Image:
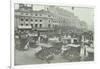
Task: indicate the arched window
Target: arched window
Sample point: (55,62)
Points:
(36,20)
(35,14)
(31,19)
(22,19)
(26,19)
(21,24)
(40,20)
(36,25)
(49,25)
(26,24)
(32,25)
(40,25)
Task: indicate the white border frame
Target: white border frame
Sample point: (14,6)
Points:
(12,2)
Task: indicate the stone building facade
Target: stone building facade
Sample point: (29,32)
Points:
(45,19)
(26,18)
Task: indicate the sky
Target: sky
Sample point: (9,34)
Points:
(84,13)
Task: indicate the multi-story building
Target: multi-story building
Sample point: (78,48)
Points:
(43,20)
(26,18)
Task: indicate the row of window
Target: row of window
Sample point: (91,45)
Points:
(42,20)
(38,20)
(41,15)
(35,14)
(31,20)
(36,25)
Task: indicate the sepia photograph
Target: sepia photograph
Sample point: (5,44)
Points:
(45,34)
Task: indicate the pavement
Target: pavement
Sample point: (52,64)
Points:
(28,57)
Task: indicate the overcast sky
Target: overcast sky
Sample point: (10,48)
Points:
(85,14)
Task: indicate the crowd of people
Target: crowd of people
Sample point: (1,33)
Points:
(30,40)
